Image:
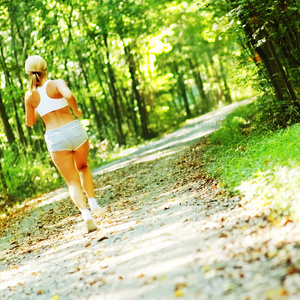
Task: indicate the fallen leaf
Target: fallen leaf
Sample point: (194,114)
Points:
(271,254)
(55,297)
(103,238)
(223,235)
(88,244)
(206,268)
(180,285)
(285,221)
(178,293)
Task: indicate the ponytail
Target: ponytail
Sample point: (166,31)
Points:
(35,80)
(36,68)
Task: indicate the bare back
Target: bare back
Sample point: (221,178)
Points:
(60,117)
(55,89)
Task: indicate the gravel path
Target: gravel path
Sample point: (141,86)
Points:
(169,232)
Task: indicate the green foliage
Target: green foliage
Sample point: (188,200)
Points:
(261,164)
(277,189)
(145,51)
(230,133)
(268,32)
(275,114)
(28,176)
(156,62)
(134,67)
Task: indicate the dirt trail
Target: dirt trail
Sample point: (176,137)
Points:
(168,233)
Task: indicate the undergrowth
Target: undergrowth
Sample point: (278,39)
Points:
(27,177)
(261,165)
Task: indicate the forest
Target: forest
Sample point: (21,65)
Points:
(139,69)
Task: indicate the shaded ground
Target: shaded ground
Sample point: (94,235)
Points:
(168,233)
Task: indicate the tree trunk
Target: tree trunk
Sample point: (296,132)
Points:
(2,177)
(114,94)
(273,66)
(140,101)
(126,107)
(108,108)
(217,78)
(13,42)
(134,116)
(91,98)
(8,83)
(227,93)
(199,84)
(191,92)
(259,39)
(182,90)
(7,128)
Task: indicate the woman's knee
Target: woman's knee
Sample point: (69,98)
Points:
(74,182)
(74,186)
(82,167)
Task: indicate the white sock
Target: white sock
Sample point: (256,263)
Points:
(88,219)
(93,203)
(96,209)
(86,214)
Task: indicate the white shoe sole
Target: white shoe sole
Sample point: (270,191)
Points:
(91,226)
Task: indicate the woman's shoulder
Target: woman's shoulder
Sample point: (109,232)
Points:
(59,81)
(31,97)
(30,94)
(56,82)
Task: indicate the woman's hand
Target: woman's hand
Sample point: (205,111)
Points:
(68,95)
(78,113)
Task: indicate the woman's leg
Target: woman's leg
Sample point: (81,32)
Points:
(81,162)
(81,157)
(64,161)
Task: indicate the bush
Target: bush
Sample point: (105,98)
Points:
(261,165)
(26,176)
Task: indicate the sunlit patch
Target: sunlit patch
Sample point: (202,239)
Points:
(168,230)
(277,188)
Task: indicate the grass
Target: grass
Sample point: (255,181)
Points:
(261,165)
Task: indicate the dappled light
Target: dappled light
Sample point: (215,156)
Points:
(169,231)
(189,120)
(278,189)
(192,131)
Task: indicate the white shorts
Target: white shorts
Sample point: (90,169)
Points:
(68,137)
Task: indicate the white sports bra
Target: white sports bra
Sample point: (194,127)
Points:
(48,104)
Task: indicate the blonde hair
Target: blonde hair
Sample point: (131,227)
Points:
(36,68)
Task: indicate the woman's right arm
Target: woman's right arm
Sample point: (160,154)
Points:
(68,95)
(31,114)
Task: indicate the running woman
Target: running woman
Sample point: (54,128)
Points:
(66,139)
